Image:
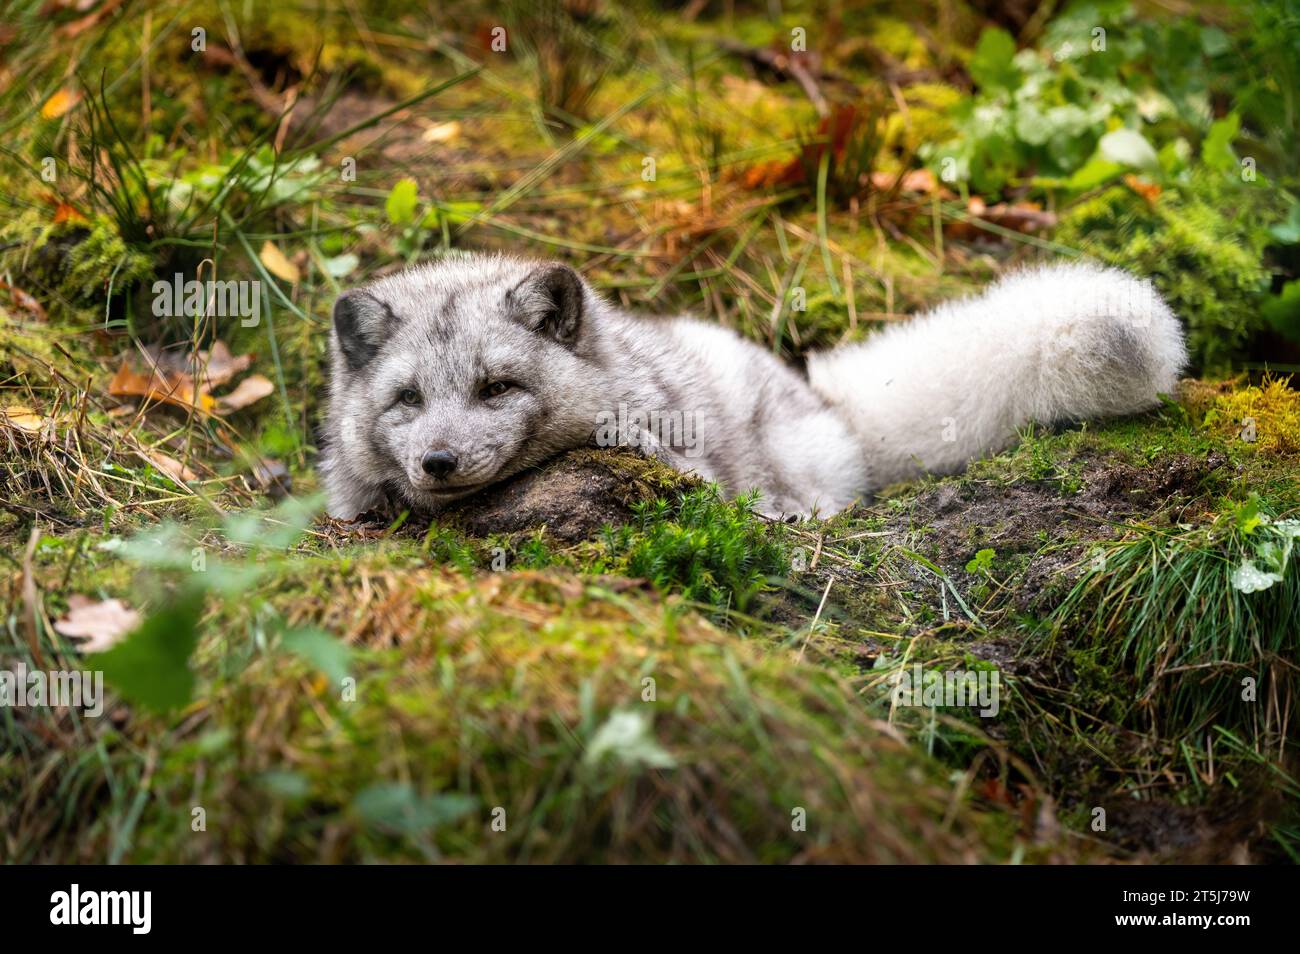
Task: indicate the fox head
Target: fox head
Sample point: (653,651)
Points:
(451,376)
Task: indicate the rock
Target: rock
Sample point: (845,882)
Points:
(571,497)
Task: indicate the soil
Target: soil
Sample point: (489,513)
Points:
(1035,518)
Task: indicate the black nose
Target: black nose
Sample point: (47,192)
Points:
(438,463)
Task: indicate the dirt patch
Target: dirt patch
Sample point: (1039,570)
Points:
(1227,830)
(1036,519)
(966,516)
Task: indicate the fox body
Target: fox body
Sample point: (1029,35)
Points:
(457,374)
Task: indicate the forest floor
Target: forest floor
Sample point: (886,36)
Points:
(601,660)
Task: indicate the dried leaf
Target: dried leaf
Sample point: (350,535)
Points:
(278,265)
(914,180)
(79,26)
(273,478)
(156,385)
(59,103)
(443,132)
(250,390)
(64,212)
(171,467)
(23,418)
(219,365)
(23,300)
(214,367)
(1024,217)
(1143,187)
(102,624)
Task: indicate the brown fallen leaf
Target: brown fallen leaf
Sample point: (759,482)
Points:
(838,127)
(23,300)
(1143,187)
(171,467)
(173,388)
(913,180)
(219,365)
(23,418)
(1025,217)
(59,103)
(250,390)
(66,212)
(273,478)
(278,265)
(215,367)
(77,27)
(102,624)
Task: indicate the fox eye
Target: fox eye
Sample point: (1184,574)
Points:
(410,397)
(495,389)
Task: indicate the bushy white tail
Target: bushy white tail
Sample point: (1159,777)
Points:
(1062,342)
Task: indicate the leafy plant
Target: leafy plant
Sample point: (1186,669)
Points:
(151,665)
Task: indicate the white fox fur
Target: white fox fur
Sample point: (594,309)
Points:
(1052,344)
(465,371)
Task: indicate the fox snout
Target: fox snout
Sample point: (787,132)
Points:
(438,463)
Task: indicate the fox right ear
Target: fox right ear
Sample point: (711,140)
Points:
(360,322)
(550,302)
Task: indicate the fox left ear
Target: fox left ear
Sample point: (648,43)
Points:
(361,323)
(550,302)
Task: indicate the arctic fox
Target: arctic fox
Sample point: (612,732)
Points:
(456,374)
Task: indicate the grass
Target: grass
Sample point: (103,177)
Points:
(1205,620)
(597,724)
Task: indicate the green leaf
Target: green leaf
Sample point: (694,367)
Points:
(991,66)
(1282,311)
(981,562)
(399,808)
(1247,515)
(277,529)
(340,266)
(321,650)
(1288,231)
(1216,151)
(1214,42)
(1175,156)
(1096,171)
(1128,148)
(628,737)
(286,784)
(151,666)
(400,204)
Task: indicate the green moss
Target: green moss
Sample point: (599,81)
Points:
(708,549)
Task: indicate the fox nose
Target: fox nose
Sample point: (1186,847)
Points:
(438,463)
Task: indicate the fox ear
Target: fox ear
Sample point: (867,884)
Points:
(550,302)
(360,322)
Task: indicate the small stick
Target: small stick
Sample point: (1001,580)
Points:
(816,617)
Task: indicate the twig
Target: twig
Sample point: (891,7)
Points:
(812,626)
